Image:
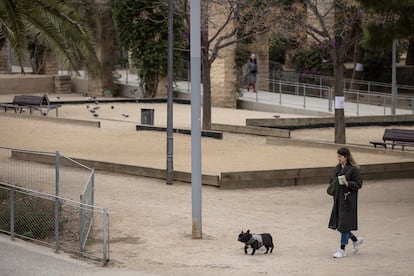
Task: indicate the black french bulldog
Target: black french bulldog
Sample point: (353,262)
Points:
(256,241)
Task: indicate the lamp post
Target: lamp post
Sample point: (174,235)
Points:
(170,169)
(195,63)
(394,78)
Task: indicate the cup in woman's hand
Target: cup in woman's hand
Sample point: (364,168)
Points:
(341,179)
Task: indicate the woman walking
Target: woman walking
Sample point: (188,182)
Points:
(344,215)
(251,73)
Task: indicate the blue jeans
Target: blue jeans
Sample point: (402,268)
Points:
(345,236)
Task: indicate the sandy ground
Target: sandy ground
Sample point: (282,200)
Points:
(150,222)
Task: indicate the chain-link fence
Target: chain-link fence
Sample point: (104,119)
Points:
(49,198)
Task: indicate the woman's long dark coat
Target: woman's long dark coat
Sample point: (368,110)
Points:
(344,215)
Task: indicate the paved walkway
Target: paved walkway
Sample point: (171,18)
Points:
(19,258)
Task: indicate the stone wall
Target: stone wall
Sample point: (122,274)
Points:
(223,69)
(34,84)
(261,49)
(62,84)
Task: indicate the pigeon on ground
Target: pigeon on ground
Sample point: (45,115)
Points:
(125,115)
(95,115)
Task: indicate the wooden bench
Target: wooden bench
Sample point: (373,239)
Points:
(396,137)
(31,102)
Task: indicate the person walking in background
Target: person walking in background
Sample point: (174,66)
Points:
(344,215)
(251,73)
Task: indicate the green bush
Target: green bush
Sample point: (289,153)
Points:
(313,59)
(377,65)
(277,51)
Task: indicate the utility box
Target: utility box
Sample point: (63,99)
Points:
(147,116)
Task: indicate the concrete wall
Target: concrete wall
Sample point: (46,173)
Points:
(305,176)
(297,123)
(34,84)
(79,85)
(26,84)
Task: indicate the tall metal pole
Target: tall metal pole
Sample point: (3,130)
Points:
(170,169)
(195,63)
(394,77)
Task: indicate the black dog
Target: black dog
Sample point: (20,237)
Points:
(256,241)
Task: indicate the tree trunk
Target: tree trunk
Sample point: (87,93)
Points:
(151,84)
(339,112)
(101,79)
(49,65)
(206,92)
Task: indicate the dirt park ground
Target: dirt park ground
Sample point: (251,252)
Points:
(150,222)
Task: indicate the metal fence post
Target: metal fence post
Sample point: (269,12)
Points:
(105,236)
(12,192)
(93,187)
(304,95)
(57,165)
(320,87)
(81,223)
(297,84)
(280,92)
(357,102)
(369,92)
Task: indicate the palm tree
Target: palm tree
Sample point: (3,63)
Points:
(53,25)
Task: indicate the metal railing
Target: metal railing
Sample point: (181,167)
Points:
(380,101)
(367,86)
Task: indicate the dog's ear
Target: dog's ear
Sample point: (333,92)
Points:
(248,232)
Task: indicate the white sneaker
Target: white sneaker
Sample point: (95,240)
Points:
(357,244)
(339,254)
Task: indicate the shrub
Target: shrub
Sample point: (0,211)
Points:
(313,59)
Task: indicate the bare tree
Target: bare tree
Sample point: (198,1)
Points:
(336,24)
